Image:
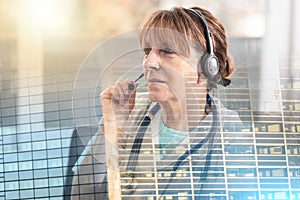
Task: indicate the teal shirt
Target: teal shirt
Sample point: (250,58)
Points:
(169,139)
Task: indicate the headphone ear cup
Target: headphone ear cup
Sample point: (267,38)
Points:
(209,65)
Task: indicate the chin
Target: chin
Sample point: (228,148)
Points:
(157,97)
(159,94)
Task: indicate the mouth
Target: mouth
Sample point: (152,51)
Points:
(155,80)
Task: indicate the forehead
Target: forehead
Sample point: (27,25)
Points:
(165,38)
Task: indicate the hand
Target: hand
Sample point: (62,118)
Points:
(118,101)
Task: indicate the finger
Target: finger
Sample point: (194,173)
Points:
(132,97)
(107,93)
(128,86)
(131,85)
(120,92)
(106,101)
(131,88)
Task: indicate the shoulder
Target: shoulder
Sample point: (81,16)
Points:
(230,119)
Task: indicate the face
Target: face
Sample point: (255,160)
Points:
(167,73)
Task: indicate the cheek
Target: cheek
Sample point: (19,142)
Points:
(190,72)
(186,66)
(145,71)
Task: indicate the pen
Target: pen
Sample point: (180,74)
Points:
(131,85)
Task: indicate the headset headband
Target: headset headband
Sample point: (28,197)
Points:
(207,34)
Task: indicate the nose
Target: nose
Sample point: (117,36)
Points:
(152,60)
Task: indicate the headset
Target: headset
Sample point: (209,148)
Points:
(208,64)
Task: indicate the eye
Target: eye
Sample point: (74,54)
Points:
(167,51)
(147,51)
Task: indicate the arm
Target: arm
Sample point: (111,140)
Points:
(117,102)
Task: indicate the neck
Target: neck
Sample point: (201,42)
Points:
(172,115)
(180,116)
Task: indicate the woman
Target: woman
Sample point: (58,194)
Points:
(165,144)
